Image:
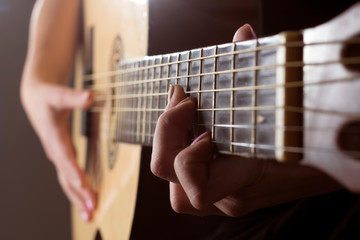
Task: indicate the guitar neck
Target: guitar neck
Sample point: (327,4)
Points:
(238,88)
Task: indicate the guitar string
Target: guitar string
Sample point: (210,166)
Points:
(292,109)
(290,149)
(126,133)
(344,61)
(103,97)
(329,129)
(91,77)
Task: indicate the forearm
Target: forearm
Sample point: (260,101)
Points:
(46,98)
(53,38)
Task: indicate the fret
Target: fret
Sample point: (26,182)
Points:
(231,147)
(188,73)
(177,68)
(131,91)
(222,99)
(151,101)
(184,69)
(144,113)
(172,73)
(194,69)
(243,98)
(168,57)
(158,61)
(214,97)
(164,83)
(208,66)
(199,95)
(254,103)
(134,115)
(173,69)
(138,121)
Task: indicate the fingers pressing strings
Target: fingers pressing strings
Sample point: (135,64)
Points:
(171,133)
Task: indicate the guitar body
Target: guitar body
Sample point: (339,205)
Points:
(126,27)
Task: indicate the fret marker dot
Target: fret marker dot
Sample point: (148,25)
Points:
(260,119)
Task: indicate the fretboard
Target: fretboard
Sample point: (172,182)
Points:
(234,86)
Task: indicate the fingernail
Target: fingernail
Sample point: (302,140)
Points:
(89,205)
(199,138)
(170,93)
(251,30)
(85,216)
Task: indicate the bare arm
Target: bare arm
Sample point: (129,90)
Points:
(47,99)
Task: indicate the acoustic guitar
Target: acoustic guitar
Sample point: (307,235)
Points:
(289,97)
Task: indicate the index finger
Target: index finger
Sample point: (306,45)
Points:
(171,133)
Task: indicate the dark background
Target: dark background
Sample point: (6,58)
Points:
(32,205)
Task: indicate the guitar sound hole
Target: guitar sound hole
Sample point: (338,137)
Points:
(98,236)
(349,139)
(352,50)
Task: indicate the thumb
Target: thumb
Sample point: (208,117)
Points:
(62,98)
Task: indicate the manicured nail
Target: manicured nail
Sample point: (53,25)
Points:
(170,93)
(85,216)
(89,205)
(199,138)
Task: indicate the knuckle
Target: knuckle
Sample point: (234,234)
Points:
(200,201)
(179,206)
(174,119)
(163,120)
(182,161)
(157,168)
(235,208)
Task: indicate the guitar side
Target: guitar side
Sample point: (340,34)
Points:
(124,37)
